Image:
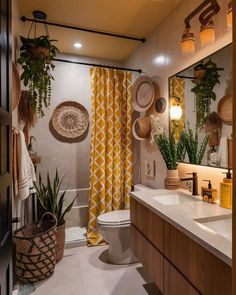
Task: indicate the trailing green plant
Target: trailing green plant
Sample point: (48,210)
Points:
(36,56)
(195,150)
(204,89)
(172,152)
(50,199)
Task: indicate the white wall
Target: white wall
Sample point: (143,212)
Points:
(165,41)
(72,82)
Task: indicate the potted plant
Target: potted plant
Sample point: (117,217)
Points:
(36,56)
(172,152)
(194,149)
(206,76)
(51,200)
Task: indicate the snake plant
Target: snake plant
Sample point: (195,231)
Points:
(190,139)
(49,197)
(172,152)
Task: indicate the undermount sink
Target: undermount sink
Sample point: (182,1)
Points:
(221,225)
(174,198)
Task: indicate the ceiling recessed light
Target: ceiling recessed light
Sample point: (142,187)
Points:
(77,45)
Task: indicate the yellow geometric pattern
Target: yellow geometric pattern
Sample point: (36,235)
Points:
(177,88)
(111,145)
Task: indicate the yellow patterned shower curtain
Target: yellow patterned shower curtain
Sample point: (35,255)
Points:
(111,145)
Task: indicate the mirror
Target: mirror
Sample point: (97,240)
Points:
(201,110)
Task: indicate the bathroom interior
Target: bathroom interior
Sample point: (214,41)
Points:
(117,147)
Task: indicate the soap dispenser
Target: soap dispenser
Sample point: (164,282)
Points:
(226,191)
(209,194)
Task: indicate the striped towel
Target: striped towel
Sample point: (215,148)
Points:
(26,172)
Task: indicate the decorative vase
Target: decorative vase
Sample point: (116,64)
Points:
(172,180)
(60,239)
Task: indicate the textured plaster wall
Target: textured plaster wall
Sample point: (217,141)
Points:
(165,42)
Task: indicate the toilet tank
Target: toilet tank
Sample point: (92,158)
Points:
(141,187)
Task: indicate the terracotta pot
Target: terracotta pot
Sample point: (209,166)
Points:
(198,75)
(172,180)
(60,239)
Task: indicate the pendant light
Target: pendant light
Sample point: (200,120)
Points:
(230,15)
(207,34)
(188,42)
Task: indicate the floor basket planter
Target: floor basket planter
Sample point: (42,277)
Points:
(35,246)
(172,180)
(60,238)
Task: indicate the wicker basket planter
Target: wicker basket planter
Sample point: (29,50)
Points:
(60,239)
(35,250)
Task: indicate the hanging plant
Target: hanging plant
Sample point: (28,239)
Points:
(36,56)
(206,77)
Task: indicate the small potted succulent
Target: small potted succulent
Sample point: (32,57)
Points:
(36,60)
(51,200)
(172,152)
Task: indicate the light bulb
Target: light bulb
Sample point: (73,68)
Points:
(175,112)
(77,45)
(188,42)
(207,34)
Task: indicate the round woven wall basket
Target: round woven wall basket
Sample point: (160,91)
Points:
(69,122)
(143,94)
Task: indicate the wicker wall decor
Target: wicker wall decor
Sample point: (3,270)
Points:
(16,87)
(69,122)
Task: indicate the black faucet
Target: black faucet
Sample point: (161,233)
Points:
(194,179)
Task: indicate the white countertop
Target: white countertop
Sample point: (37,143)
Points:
(183,216)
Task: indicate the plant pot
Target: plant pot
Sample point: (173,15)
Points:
(40,51)
(172,180)
(60,239)
(198,75)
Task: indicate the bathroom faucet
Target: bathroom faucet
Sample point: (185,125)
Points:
(194,179)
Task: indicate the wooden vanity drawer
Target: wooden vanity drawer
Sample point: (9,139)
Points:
(175,283)
(205,271)
(148,255)
(149,223)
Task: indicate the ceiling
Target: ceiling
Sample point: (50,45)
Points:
(137,18)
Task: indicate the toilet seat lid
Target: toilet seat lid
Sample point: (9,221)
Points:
(115,217)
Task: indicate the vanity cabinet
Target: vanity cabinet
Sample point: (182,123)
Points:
(177,264)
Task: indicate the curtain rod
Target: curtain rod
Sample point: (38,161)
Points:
(24,19)
(97,65)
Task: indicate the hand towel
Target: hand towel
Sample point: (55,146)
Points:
(223,152)
(26,172)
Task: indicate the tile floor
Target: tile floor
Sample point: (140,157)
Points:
(85,271)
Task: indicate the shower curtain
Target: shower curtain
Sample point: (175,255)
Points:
(111,145)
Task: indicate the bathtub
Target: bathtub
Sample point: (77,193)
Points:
(78,216)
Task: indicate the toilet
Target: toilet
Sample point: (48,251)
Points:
(115,228)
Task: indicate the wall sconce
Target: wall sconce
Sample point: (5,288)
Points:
(208,9)
(176,112)
(230,15)
(188,42)
(207,34)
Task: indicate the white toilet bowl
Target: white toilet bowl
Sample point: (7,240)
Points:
(115,228)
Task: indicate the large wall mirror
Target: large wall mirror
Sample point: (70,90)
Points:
(201,110)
